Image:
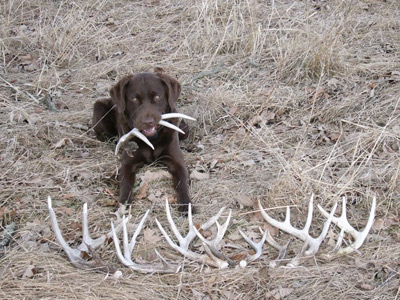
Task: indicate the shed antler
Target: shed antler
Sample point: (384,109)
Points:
(88,244)
(136,133)
(163,267)
(344,225)
(256,246)
(211,258)
(311,245)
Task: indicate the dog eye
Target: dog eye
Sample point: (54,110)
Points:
(135,100)
(156,98)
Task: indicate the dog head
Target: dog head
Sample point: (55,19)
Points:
(143,98)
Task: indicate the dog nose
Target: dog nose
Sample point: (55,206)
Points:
(148,121)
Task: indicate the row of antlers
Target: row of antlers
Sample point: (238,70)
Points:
(213,256)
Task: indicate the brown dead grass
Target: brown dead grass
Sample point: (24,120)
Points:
(291,97)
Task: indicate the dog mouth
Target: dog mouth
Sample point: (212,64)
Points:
(150,132)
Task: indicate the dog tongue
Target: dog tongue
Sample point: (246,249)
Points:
(149,132)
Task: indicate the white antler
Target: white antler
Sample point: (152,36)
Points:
(282,249)
(184,242)
(256,246)
(311,243)
(136,133)
(87,245)
(133,133)
(344,225)
(212,246)
(176,115)
(163,267)
(172,126)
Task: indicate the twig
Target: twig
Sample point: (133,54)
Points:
(26,94)
(8,232)
(203,74)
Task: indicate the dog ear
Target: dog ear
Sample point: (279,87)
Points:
(173,89)
(117,93)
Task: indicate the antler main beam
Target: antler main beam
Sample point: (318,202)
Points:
(136,133)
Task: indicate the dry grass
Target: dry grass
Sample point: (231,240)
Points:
(291,97)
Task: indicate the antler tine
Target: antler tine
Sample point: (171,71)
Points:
(87,241)
(313,243)
(172,126)
(185,241)
(220,231)
(344,225)
(256,246)
(282,249)
(126,258)
(73,254)
(213,244)
(176,115)
(137,231)
(133,133)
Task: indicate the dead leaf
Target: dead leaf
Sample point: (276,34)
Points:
(76,226)
(212,280)
(206,233)
(235,236)
(243,200)
(321,94)
(102,86)
(373,85)
(248,163)
(333,82)
(172,199)
(155,197)
(333,136)
(381,223)
(366,286)
(66,210)
(233,110)
(279,293)
(150,176)
(274,231)
(61,143)
(331,238)
(197,295)
(143,191)
(268,116)
(69,196)
(363,264)
(30,271)
(378,224)
(239,256)
(109,203)
(391,221)
(256,216)
(198,175)
(109,192)
(264,273)
(151,236)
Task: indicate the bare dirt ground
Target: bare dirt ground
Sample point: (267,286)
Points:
(291,98)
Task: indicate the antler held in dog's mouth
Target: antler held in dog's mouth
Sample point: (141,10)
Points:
(136,133)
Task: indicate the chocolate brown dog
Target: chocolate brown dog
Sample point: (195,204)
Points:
(138,101)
